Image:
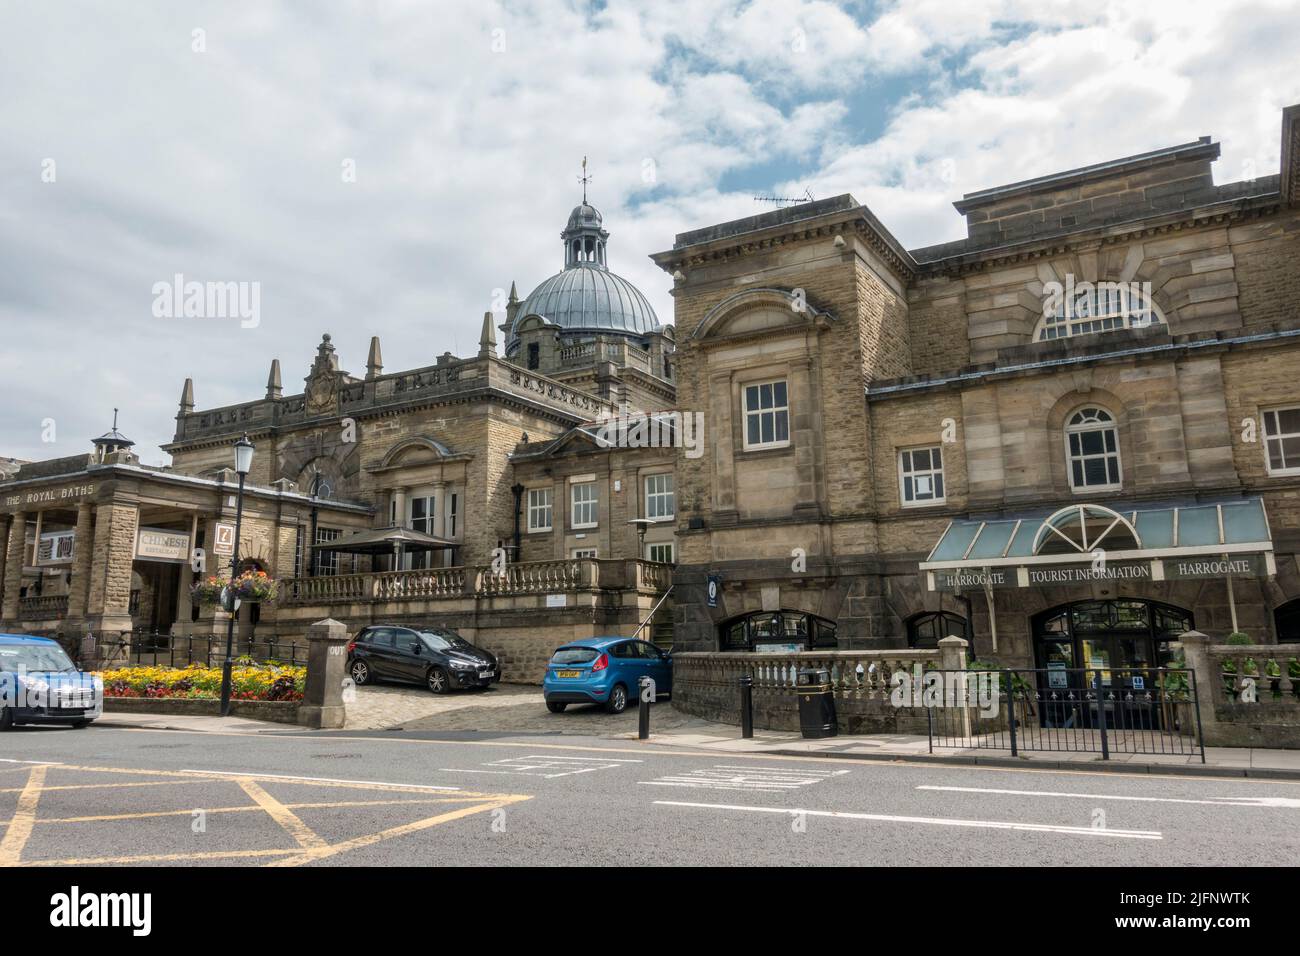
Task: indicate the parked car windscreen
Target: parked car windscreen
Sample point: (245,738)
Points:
(574,655)
(34,657)
(439,642)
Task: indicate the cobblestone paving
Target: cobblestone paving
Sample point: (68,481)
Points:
(503,707)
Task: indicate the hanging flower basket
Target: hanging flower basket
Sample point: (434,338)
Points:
(255,586)
(207,591)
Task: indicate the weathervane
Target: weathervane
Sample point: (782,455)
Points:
(584,179)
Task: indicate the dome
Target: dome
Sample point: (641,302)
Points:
(584,215)
(586,298)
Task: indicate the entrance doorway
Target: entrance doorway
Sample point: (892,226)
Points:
(1108,646)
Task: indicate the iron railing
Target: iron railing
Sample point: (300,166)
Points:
(157,650)
(1105,711)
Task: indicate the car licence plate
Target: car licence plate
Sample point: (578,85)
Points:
(568,673)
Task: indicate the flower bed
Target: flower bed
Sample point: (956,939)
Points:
(248,682)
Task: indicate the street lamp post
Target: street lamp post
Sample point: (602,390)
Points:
(243,464)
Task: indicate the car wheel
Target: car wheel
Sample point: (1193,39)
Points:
(437,680)
(617,700)
(556,706)
(360,671)
(6,718)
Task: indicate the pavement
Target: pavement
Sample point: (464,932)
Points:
(507,709)
(222,795)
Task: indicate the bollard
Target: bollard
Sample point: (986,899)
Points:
(643,714)
(327,656)
(747,706)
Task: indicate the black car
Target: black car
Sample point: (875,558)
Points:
(436,657)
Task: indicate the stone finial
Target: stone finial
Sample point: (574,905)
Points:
(273,389)
(512,309)
(487,341)
(187,396)
(375,360)
(326,360)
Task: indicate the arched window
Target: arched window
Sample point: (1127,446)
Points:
(1092,450)
(926,630)
(1286,617)
(1097,307)
(754,632)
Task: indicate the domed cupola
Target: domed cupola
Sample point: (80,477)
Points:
(584,238)
(585,297)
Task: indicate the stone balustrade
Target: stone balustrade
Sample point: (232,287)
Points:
(707,684)
(1247,695)
(43,607)
(1255,674)
(529,577)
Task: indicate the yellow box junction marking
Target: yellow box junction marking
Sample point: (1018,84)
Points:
(309,845)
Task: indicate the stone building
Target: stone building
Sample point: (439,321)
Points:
(1067,437)
(459,456)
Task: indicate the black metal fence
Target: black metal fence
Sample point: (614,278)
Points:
(165,650)
(1104,711)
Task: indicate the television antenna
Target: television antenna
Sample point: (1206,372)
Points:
(787,200)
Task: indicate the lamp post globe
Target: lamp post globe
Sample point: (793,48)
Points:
(243,465)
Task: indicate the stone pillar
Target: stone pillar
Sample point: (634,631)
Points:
(83,549)
(952,657)
(322,706)
(36,540)
(14,557)
(1208,684)
(952,653)
(440,515)
(212,620)
(108,603)
(5,521)
(185,581)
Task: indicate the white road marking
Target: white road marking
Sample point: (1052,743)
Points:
(43,763)
(934,821)
(1276,802)
(285,776)
(754,779)
(534,765)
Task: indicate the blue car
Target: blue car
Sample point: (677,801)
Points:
(604,670)
(39,684)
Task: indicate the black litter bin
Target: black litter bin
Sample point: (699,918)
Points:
(816,703)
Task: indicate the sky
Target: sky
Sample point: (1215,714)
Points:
(389,168)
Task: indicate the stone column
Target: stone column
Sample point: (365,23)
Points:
(36,540)
(108,603)
(14,558)
(212,620)
(181,626)
(83,549)
(952,653)
(322,706)
(5,521)
(399,497)
(1209,686)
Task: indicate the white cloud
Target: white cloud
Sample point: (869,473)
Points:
(467,122)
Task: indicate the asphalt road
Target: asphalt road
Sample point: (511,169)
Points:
(116,795)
